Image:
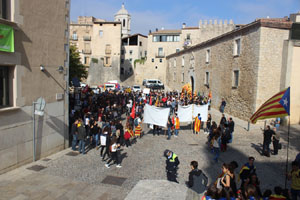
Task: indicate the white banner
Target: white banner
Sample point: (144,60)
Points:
(203,110)
(187,113)
(156,115)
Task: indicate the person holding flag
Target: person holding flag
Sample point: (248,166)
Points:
(197,124)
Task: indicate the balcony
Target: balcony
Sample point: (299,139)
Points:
(87,38)
(160,55)
(87,51)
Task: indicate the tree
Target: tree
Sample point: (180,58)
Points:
(77,69)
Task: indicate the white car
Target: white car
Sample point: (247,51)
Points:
(136,88)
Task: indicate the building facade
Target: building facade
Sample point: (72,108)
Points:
(134,50)
(245,66)
(34,63)
(99,45)
(162,43)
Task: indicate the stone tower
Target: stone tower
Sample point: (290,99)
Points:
(124,17)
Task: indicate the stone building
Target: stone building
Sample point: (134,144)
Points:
(33,63)
(162,43)
(99,45)
(245,66)
(134,50)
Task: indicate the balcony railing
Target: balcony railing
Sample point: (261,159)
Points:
(160,55)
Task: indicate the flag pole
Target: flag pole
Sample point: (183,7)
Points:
(287,154)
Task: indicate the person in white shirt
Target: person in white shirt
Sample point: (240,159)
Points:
(114,153)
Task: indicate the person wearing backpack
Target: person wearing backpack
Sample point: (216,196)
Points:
(197,179)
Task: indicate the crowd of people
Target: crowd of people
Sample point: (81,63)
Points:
(112,120)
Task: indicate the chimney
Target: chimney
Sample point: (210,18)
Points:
(149,31)
(183,25)
(156,29)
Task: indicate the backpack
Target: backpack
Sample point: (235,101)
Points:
(136,122)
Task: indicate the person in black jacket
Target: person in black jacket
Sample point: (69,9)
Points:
(268,133)
(81,136)
(74,133)
(231,129)
(197,179)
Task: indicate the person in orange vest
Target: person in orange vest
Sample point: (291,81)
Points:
(175,121)
(197,124)
(138,130)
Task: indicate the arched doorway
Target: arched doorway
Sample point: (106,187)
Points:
(192,84)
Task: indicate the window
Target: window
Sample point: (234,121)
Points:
(101,33)
(152,59)
(166,38)
(155,67)
(160,60)
(4,86)
(182,61)
(122,70)
(145,53)
(182,77)
(237,47)
(188,36)
(107,61)
(140,43)
(160,51)
(3,9)
(207,56)
(123,22)
(175,62)
(130,52)
(130,59)
(74,36)
(206,81)
(122,61)
(86,60)
(176,38)
(174,76)
(141,54)
(177,50)
(236,74)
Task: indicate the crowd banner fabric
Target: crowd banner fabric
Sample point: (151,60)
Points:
(6,38)
(156,115)
(203,110)
(185,113)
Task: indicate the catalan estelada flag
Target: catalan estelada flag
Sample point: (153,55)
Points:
(276,106)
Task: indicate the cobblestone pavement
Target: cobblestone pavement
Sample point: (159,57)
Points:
(81,176)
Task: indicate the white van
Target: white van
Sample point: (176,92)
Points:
(109,86)
(154,84)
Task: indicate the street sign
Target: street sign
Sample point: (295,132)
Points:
(40,106)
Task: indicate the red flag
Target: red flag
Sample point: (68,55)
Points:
(150,101)
(132,115)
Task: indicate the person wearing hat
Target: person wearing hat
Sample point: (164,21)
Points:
(172,163)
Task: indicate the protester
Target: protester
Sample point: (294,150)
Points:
(114,154)
(268,134)
(197,124)
(169,124)
(74,132)
(176,124)
(246,170)
(294,176)
(231,129)
(81,136)
(222,106)
(275,139)
(196,179)
(228,180)
(216,141)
